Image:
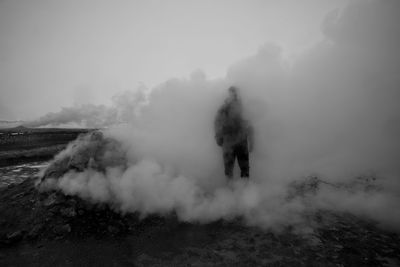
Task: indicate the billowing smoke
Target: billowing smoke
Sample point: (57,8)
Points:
(124,106)
(333,113)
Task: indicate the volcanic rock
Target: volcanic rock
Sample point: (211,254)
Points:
(62,229)
(34,233)
(91,150)
(68,212)
(14,237)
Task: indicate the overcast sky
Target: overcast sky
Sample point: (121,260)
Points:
(61,53)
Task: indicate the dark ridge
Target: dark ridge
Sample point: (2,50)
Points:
(22,144)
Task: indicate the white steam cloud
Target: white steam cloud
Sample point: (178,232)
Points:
(124,107)
(334,112)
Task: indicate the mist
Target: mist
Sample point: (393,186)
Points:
(124,107)
(332,112)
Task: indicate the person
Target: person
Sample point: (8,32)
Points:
(234,134)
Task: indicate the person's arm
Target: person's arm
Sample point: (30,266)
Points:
(217,127)
(250,137)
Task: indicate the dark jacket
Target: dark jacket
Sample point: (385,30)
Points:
(230,126)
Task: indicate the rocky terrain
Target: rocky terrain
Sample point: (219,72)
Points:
(45,227)
(52,229)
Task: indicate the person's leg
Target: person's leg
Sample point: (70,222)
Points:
(242,153)
(229,161)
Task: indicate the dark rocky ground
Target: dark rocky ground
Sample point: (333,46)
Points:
(51,229)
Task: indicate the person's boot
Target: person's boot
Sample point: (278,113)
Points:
(244,175)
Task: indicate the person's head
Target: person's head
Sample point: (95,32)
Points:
(234,100)
(233,93)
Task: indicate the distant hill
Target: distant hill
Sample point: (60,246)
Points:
(23,129)
(20,128)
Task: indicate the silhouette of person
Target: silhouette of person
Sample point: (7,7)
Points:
(234,134)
